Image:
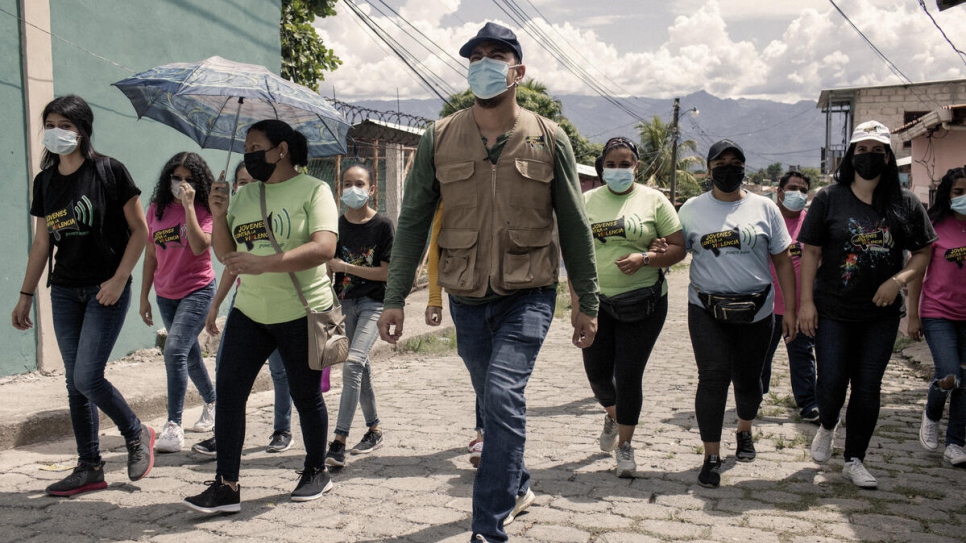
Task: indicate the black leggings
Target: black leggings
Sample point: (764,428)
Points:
(615,362)
(726,353)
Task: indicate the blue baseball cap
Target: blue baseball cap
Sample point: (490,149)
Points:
(493,32)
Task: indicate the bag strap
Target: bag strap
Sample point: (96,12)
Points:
(271,238)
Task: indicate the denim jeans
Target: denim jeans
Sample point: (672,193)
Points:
(247,345)
(856,354)
(184,319)
(361,316)
(86,332)
(283,399)
(615,362)
(947,343)
(801,367)
(499,342)
(726,354)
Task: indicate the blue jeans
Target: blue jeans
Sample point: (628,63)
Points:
(184,319)
(283,399)
(801,367)
(499,342)
(852,354)
(947,343)
(86,332)
(361,316)
(247,345)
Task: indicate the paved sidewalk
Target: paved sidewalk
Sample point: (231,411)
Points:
(417,487)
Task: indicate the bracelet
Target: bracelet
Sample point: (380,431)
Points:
(31,294)
(898,282)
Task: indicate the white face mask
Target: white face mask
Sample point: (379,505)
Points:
(60,141)
(795,200)
(176,189)
(958,204)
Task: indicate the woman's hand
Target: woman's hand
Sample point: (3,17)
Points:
(808,319)
(111,290)
(145,312)
(20,318)
(887,292)
(187,194)
(914,328)
(211,324)
(217,197)
(630,263)
(658,246)
(434,315)
(337,265)
(245,263)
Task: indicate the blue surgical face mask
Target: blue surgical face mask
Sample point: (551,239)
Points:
(355,197)
(795,200)
(487,77)
(618,179)
(959,204)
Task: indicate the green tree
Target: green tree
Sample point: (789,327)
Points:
(655,150)
(533,95)
(774,172)
(305,57)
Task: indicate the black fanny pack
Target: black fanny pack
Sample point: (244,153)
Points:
(734,308)
(634,305)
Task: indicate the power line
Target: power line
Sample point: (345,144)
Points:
(460,69)
(962,55)
(895,69)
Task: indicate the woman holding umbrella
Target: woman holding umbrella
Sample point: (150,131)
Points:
(268,314)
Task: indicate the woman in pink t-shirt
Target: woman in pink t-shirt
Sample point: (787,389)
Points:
(177,262)
(937,310)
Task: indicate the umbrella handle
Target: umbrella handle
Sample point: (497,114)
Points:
(234,132)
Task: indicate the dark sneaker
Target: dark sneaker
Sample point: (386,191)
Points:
(746,447)
(206,447)
(710,476)
(370,442)
(811,415)
(140,454)
(313,483)
(336,455)
(281,442)
(218,498)
(85,478)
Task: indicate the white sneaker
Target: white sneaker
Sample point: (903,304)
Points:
(171,439)
(207,421)
(822,444)
(523,502)
(955,455)
(608,437)
(626,466)
(860,477)
(929,433)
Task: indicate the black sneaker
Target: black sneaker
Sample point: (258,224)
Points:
(710,476)
(336,455)
(746,447)
(281,442)
(140,454)
(313,483)
(206,447)
(811,415)
(370,442)
(217,498)
(85,478)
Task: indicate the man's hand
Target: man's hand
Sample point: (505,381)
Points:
(585,328)
(391,325)
(434,315)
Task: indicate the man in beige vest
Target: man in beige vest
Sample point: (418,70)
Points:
(505,174)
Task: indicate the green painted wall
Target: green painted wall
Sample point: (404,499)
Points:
(134,36)
(19,348)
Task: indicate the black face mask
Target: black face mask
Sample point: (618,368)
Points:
(728,178)
(869,165)
(258,167)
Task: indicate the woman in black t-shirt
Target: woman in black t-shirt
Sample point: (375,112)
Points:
(89,206)
(852,272)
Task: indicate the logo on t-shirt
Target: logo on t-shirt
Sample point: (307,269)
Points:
(795,250)
(607,229)
(869,246)
(175,234)
(870,240)
(249,233)
(67,221)
(365,258)
(956,256)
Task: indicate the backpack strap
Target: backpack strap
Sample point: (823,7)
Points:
(106,175)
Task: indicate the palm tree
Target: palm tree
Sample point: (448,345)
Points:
(655,149)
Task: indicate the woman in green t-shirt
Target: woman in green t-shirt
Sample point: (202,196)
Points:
(626,218)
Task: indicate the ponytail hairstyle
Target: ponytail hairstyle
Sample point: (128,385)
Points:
(614,143)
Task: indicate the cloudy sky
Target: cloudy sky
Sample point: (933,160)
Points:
(785,50)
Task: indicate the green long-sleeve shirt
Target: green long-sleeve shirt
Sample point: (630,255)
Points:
(422,195)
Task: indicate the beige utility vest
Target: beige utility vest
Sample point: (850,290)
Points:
(497,221)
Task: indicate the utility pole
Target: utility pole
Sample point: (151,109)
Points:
(674,151)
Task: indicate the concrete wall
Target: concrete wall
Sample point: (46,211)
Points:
(131,37)
(932,158)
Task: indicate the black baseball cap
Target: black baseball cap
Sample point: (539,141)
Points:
(493,32)
(722,146)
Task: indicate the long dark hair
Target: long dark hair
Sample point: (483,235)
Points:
(76,110)
(942,201)
(278,131)
(200,173)
(887,196)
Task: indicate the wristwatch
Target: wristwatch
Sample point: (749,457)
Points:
(647,259)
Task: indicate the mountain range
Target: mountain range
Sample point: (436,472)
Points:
(769,132)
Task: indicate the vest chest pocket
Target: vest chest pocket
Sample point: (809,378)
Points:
(530,259)
(457,259)
(455,186)
(533,190)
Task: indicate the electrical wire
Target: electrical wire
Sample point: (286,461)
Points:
(962,55)
(459,68)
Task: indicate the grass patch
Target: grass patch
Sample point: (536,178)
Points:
(781,400)
(901,343)
(431,344)
(913,492)
(564,306)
